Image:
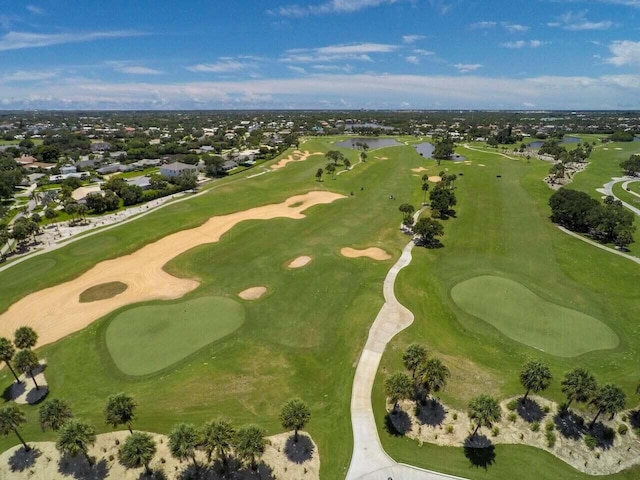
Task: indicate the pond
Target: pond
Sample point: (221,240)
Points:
(564,141)
(372,142)
(373,126)
(426,150)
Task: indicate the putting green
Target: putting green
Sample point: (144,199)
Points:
(144,340)
(523,316)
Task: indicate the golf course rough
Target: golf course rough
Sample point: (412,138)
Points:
(149,338)
(523,316)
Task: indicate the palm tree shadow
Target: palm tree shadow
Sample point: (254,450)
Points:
(479,450)
(300,451)
(155,475)
(432,413)
(13,391)
(77,467)
(634,418)
(400,420)
(569,425)
(36,396)
(234,470)
(530,411)
(22,459)
(605,435)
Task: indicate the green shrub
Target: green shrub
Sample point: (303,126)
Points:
(551,438)
(590,441)
(455,416)
(512,405)
(449,429)
(495,431)
(549,426)
(513,417)
(623,429)
(535,426)
(546,409)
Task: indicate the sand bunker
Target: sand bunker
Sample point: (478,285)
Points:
(56,312)
(300,262)
(419,169)
(81,192)
(435,179)
(253,293)
(382,158)
(296,156)
(481,165)
(372,252)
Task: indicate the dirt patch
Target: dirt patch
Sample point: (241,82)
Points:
(56,312)
(300,262)
(435,179)
(419,169)
(102,292)
(296,156)
(374,253)
(253,293)
(282,459)
(436,423)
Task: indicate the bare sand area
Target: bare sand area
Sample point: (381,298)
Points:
(282,459)
(25,392)
(481,165)
(296,156)
(56,312)
(300,262)
(374,253)
(253,293)
(382,158)
(419,169)
(435,179)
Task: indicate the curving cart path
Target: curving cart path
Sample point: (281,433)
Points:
(369,460)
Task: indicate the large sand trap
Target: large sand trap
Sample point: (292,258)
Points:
(435,179)
(299,262)
(81,192)
(44,462)
(253,293)
(296,156)
(56,311)
(419,169)
(372,252)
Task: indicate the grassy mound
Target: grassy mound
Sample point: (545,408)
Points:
(144,340)
(525,317)
(102,292)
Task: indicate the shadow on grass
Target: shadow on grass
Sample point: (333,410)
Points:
(78,467)
(300,451)
(22,459)
(530,411)
(570,425)
(14,391)
(432,413)
(479,450)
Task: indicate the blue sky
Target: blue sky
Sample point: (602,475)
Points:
(423,54)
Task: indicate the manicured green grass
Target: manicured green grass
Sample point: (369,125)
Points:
(150,338)
(102,292)
(635,187)
(525,317)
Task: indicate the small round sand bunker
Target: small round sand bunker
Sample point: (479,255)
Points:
(435,179)
(374,253)
(253,293)
(300,262)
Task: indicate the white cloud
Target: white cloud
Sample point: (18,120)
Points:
(333,68)
(420,51)
(296,69)
(224,65)
(625,52)
(483,25)
(523,44)
(578,22)
(331,6)
(514,27)
(35,10)
(138,70)
(412,59)
(17,40)
(412,38)
(28,76)
(331,53)
(466,67)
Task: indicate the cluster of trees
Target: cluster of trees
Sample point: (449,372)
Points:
(607,222)
(25,360)
(10,176)
(561,154)
(443,149)
(428,376)
(631,166)
(442,197)
(503,137)
(621,136)
(336,159)
(23,229)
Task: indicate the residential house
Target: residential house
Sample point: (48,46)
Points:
(173,170)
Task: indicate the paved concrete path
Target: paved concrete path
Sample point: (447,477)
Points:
(369,460)
(607,189)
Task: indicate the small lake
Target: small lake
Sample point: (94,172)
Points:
(564,141)
(372,142)
(426,150)
(373,126)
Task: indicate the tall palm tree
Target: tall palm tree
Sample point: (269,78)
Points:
(7,351)
(294,416)
(137,451)
(579,385)
(398,387)
(11,417)
(535,376)
(54,413)
(120,410)
(425,189)
(76,436)
(219,436)
(434,375)
(250,444)
(414,356)
(484,411)
(610,399)
(26,361)
(25,337)
(183,441)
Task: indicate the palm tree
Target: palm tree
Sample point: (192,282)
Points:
(330,169)
(217,435)
(425,189)
(434,375)
(610,399)
(54,413)
(414,356)
(183,441)
(484,411)
(294,416)
(26,362)
(363,157)
(25,337)
(535,376)
(579,385)
(138,451)
(7,351)
(250,444)
(11,417)
(76,436)
(347,163)
(120,410)
(399,387)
